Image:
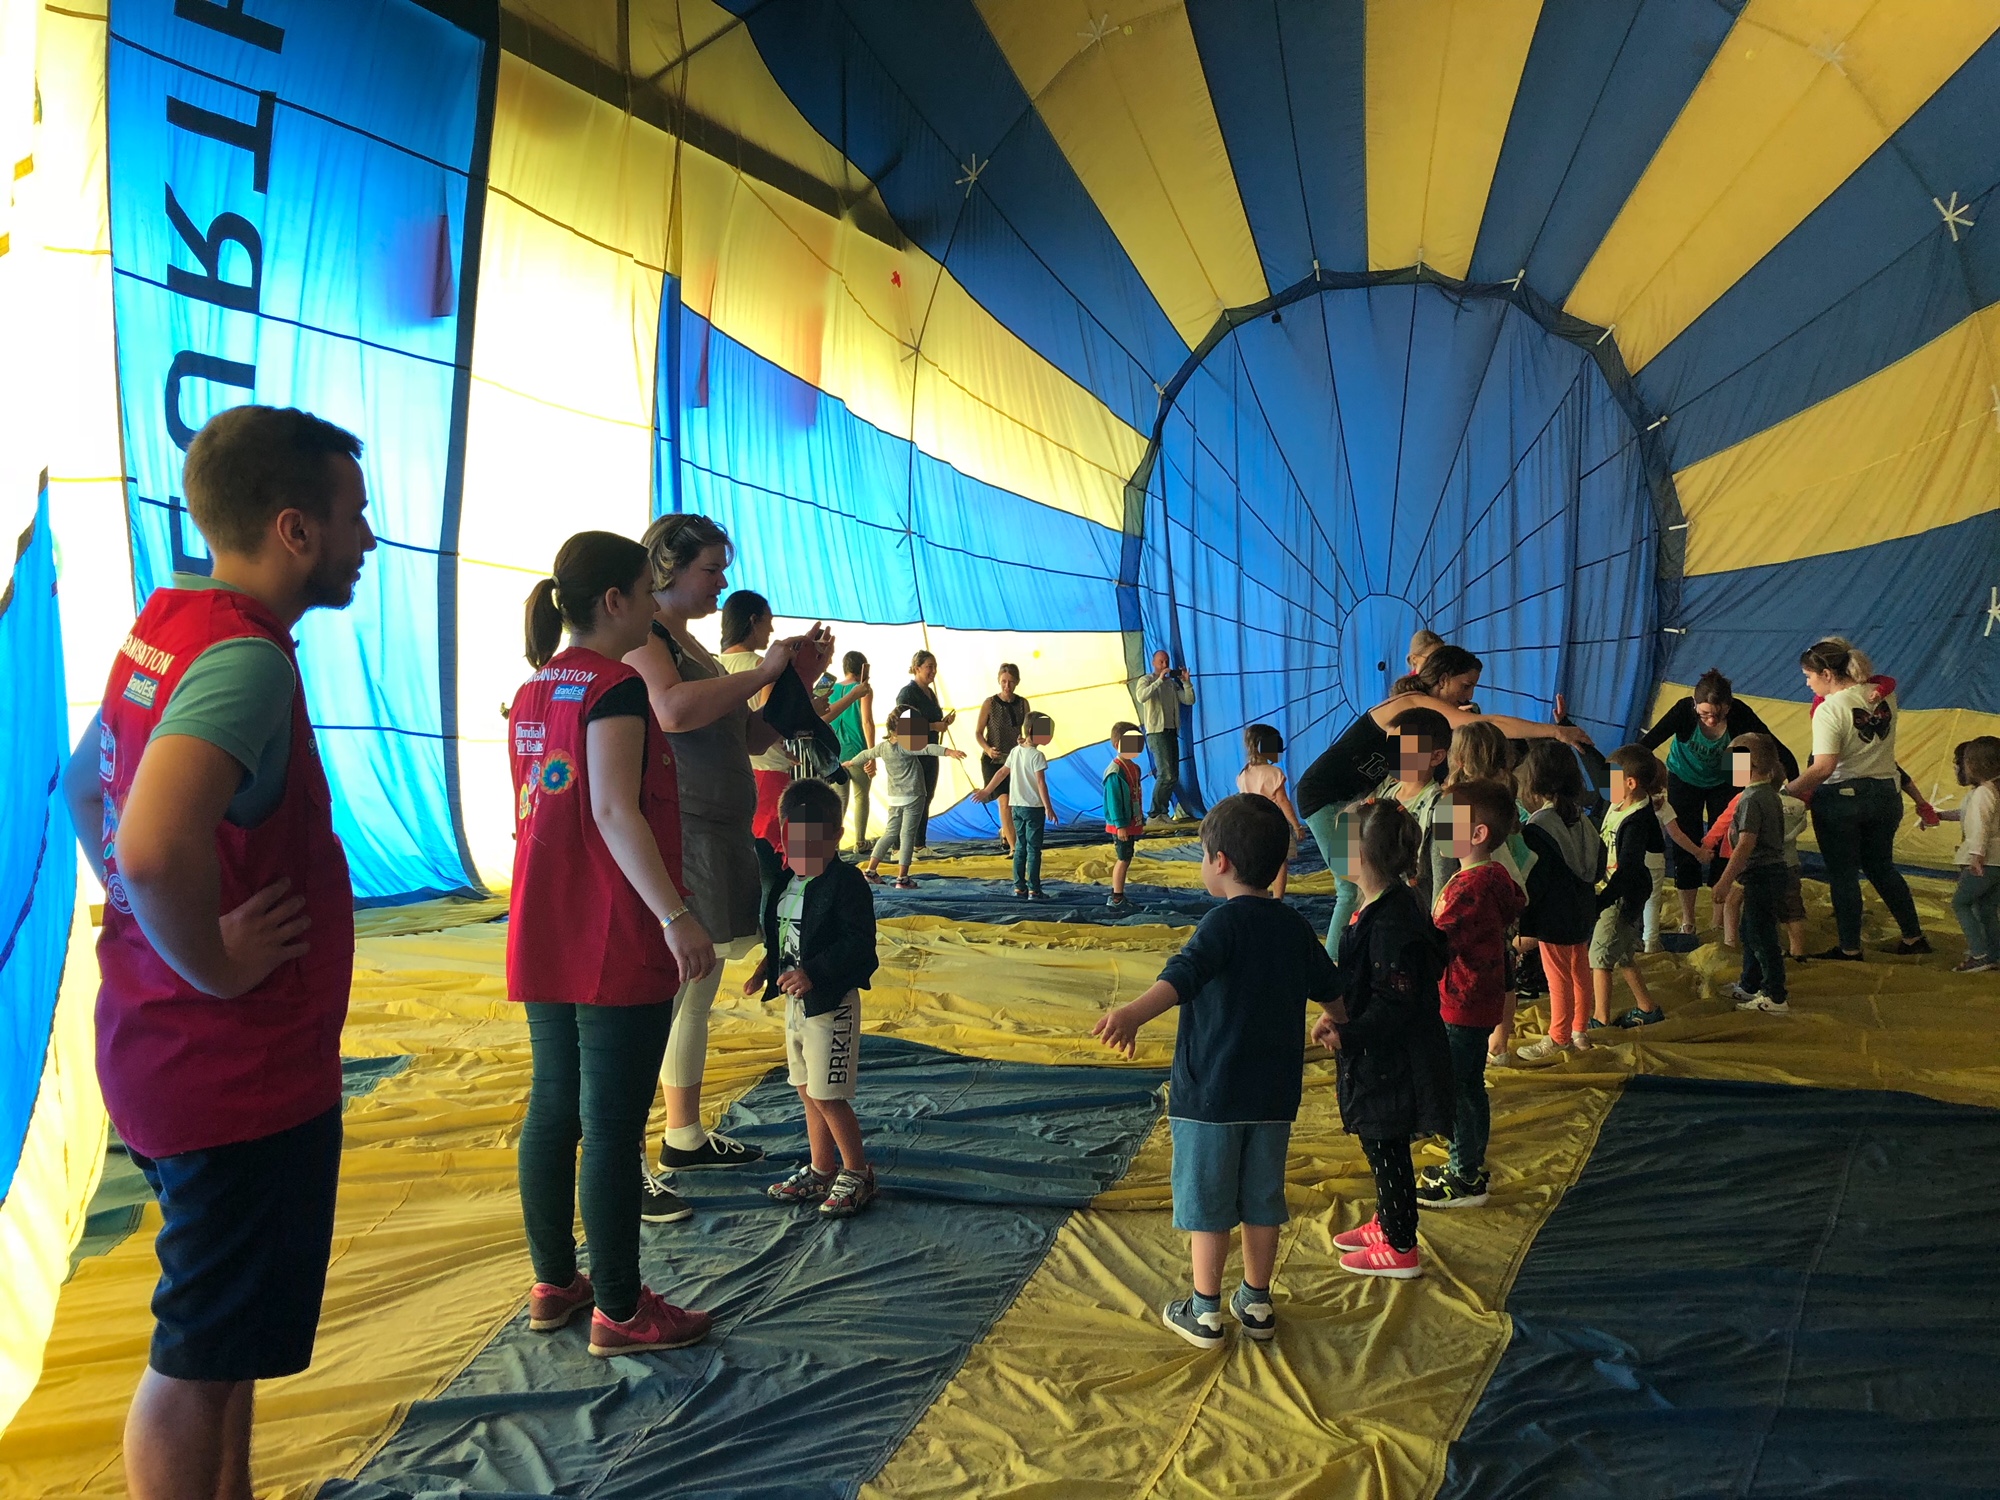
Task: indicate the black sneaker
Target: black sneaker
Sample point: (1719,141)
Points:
(714,1151)
(1910,947)
(1638,1016)
(1119,900)
(1452,1191)
(1254,1313)
(658,1203)
(1836,954)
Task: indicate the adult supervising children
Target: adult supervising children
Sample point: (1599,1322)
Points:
(599,940)
(1356,762)
(854,727)
(1001,719)
(1703,726)
(228,938)
(1162,694)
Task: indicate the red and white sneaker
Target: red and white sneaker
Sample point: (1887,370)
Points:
(553,1307)
(1361,1237)
(658,1324)
(1384,1260)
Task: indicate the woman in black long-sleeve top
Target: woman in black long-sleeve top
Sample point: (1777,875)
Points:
(1702,727)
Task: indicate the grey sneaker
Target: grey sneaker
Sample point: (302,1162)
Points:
(1254,1314)
(1203,1330)
(851,1192)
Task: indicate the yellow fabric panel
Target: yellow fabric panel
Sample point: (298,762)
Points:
(1912,447)
(560,423)
(844,311)
(1093,864)
(591,24)
(1441,79)
(1925,738)
(61,1158)
(1121,88)
(1798,96)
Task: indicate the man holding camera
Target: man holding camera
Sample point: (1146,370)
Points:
(1162,694)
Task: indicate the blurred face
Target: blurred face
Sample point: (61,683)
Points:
(1008,682)
(1418,656)
(1159,661)
(1624,788)
(337,545)
(1712,716)
(911,735)
(1131,742)
(1469,840)
(1741,773)
(925,672)
(1039,737)
(1458,691)
(697,587)
(1417,757)
(760,634)
(811,847)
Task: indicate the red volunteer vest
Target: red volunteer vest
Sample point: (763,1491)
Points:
(577,932)
(183,1070)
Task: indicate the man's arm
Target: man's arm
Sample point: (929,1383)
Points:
(1186,691)
(83,794)
(166,858)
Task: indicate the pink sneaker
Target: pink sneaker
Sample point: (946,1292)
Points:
(658,1324)
(552,1307)
(1361,1237)
(1383,1260)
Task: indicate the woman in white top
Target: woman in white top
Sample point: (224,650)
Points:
(1852,785)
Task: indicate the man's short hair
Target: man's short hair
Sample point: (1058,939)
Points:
(810,802)
(251,462)
(1252,833)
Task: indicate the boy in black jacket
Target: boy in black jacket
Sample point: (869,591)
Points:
(819,951)
(1631,828)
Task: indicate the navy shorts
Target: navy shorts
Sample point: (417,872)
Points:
(1225,1175)
(1124,848)
(243,1251)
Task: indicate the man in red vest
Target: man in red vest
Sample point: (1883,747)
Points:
(228,936)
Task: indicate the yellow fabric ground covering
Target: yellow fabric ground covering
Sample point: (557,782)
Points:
(1076,1390)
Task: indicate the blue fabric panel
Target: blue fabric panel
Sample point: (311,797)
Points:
(37,848)
(831,1338)
(1870,275)
(1917,605)
(1604,82)
(1478,478)
(1025,239)
(835,519)
(1792,1310)
(324,272)
(1287,78)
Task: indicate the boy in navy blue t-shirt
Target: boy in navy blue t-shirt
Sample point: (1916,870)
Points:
(1242,983)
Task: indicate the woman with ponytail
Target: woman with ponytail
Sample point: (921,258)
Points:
(599,939)
(705,711)
(1356,763)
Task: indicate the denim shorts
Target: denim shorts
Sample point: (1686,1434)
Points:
(1225,1175)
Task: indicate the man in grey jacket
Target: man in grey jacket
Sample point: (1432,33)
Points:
(1162,693)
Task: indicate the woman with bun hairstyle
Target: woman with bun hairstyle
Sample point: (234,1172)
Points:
(1703,726)
(705,711)
(1852,787)
(1357,761)
(599,939)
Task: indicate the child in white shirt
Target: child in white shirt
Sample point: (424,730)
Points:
(1026,778)
(1976,902)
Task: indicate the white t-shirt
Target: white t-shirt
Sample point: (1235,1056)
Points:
(1023,762)
(1861,731)
(1979,831)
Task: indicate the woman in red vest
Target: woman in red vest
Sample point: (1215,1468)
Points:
(598,939)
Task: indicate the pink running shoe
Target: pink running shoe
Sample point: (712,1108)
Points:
(1361,1237)
(1384,1260)
(553,1307)
(658,1324)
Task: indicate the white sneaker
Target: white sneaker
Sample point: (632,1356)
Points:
(1541,1051)
(1499,1059)
(1737,993)
(1579,1041)
(1765,1004)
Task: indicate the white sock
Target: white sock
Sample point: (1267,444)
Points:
(686,1137)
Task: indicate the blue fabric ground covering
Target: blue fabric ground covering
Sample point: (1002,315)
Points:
(1755,1290)
(831,1338)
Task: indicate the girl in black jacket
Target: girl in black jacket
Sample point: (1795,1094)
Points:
(1394,1062)
(1562,895)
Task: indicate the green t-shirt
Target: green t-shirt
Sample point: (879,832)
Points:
(237,695)
(1698,760)
(847,723)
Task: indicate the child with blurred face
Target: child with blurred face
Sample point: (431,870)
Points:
(1124,816)
(819,953)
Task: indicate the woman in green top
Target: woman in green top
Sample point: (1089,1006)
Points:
(852,704)
(999,731)
(1699,781)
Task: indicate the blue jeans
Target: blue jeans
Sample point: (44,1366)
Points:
(1473,1123)
(1166,751)
(1976,904)
(1763,948)
(1028,825)
(1331,828)
(1856,824)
